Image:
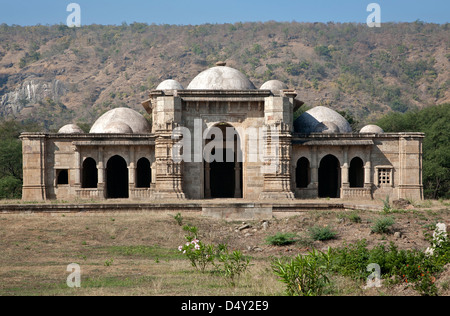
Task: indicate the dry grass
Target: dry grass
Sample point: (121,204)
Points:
(119,254)
(135,253)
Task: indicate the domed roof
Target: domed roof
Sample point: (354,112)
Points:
(118,128)
(371,129)
(70,129)
(169,85)
(274,85)
(307,122)
(221,78)
(135,121)
(326,127)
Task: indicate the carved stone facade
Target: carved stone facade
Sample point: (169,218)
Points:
(268,155)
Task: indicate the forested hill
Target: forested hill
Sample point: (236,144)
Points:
(56,75)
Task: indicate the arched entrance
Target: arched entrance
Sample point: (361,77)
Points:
(223,163)
(329,177)
(302,173)
(116,178)
(89,174)
(356,173)
(143,173)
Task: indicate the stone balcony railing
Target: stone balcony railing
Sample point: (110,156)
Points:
(88,193)
(356,193)
(140,193)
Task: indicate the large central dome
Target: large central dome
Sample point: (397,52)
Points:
(221,78)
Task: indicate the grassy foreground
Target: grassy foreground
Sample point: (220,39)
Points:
(135,253)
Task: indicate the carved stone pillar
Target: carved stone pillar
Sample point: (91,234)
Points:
(277,156)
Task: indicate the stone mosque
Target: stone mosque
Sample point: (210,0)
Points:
(316,156)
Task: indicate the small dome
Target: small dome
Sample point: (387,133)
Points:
(326,128)
(170,85)
(371,129)
(70,129)
(118,128)
(308,121)
(129,117)
(275,86)
(221,78)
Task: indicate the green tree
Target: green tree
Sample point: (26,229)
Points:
(11,158)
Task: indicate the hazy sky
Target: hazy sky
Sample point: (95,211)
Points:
(32,12)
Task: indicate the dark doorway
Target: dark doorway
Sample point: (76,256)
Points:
(356,173)
(90,175)
(329,177)
(302,173)
(117,178)
(225,175)
(143,173)
(223,178)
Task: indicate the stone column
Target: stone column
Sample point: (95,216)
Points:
(314,169)
(345,184)
(100,173)
(77,168)
(207,180)
(131,171)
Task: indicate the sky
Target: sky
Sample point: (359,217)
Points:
(194,12)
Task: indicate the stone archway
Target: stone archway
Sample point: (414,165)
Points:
(117,178)
(329,177)
(223,175)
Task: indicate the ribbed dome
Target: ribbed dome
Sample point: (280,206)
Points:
(169,85)
(70,129)
(221,78)
(135,121)
(308,121)
(274,86)
(371,129)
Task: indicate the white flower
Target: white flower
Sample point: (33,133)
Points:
(197,247)
(180,248)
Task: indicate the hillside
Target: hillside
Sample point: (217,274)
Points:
(55,75)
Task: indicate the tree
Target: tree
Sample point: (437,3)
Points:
(11,158)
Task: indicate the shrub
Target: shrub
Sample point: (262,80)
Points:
(304,275)
(281,239)
(351,260)
(233,264)
(199,254)
(412,267)
(179,219)
(382,225)
(322,233)
(352,217)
